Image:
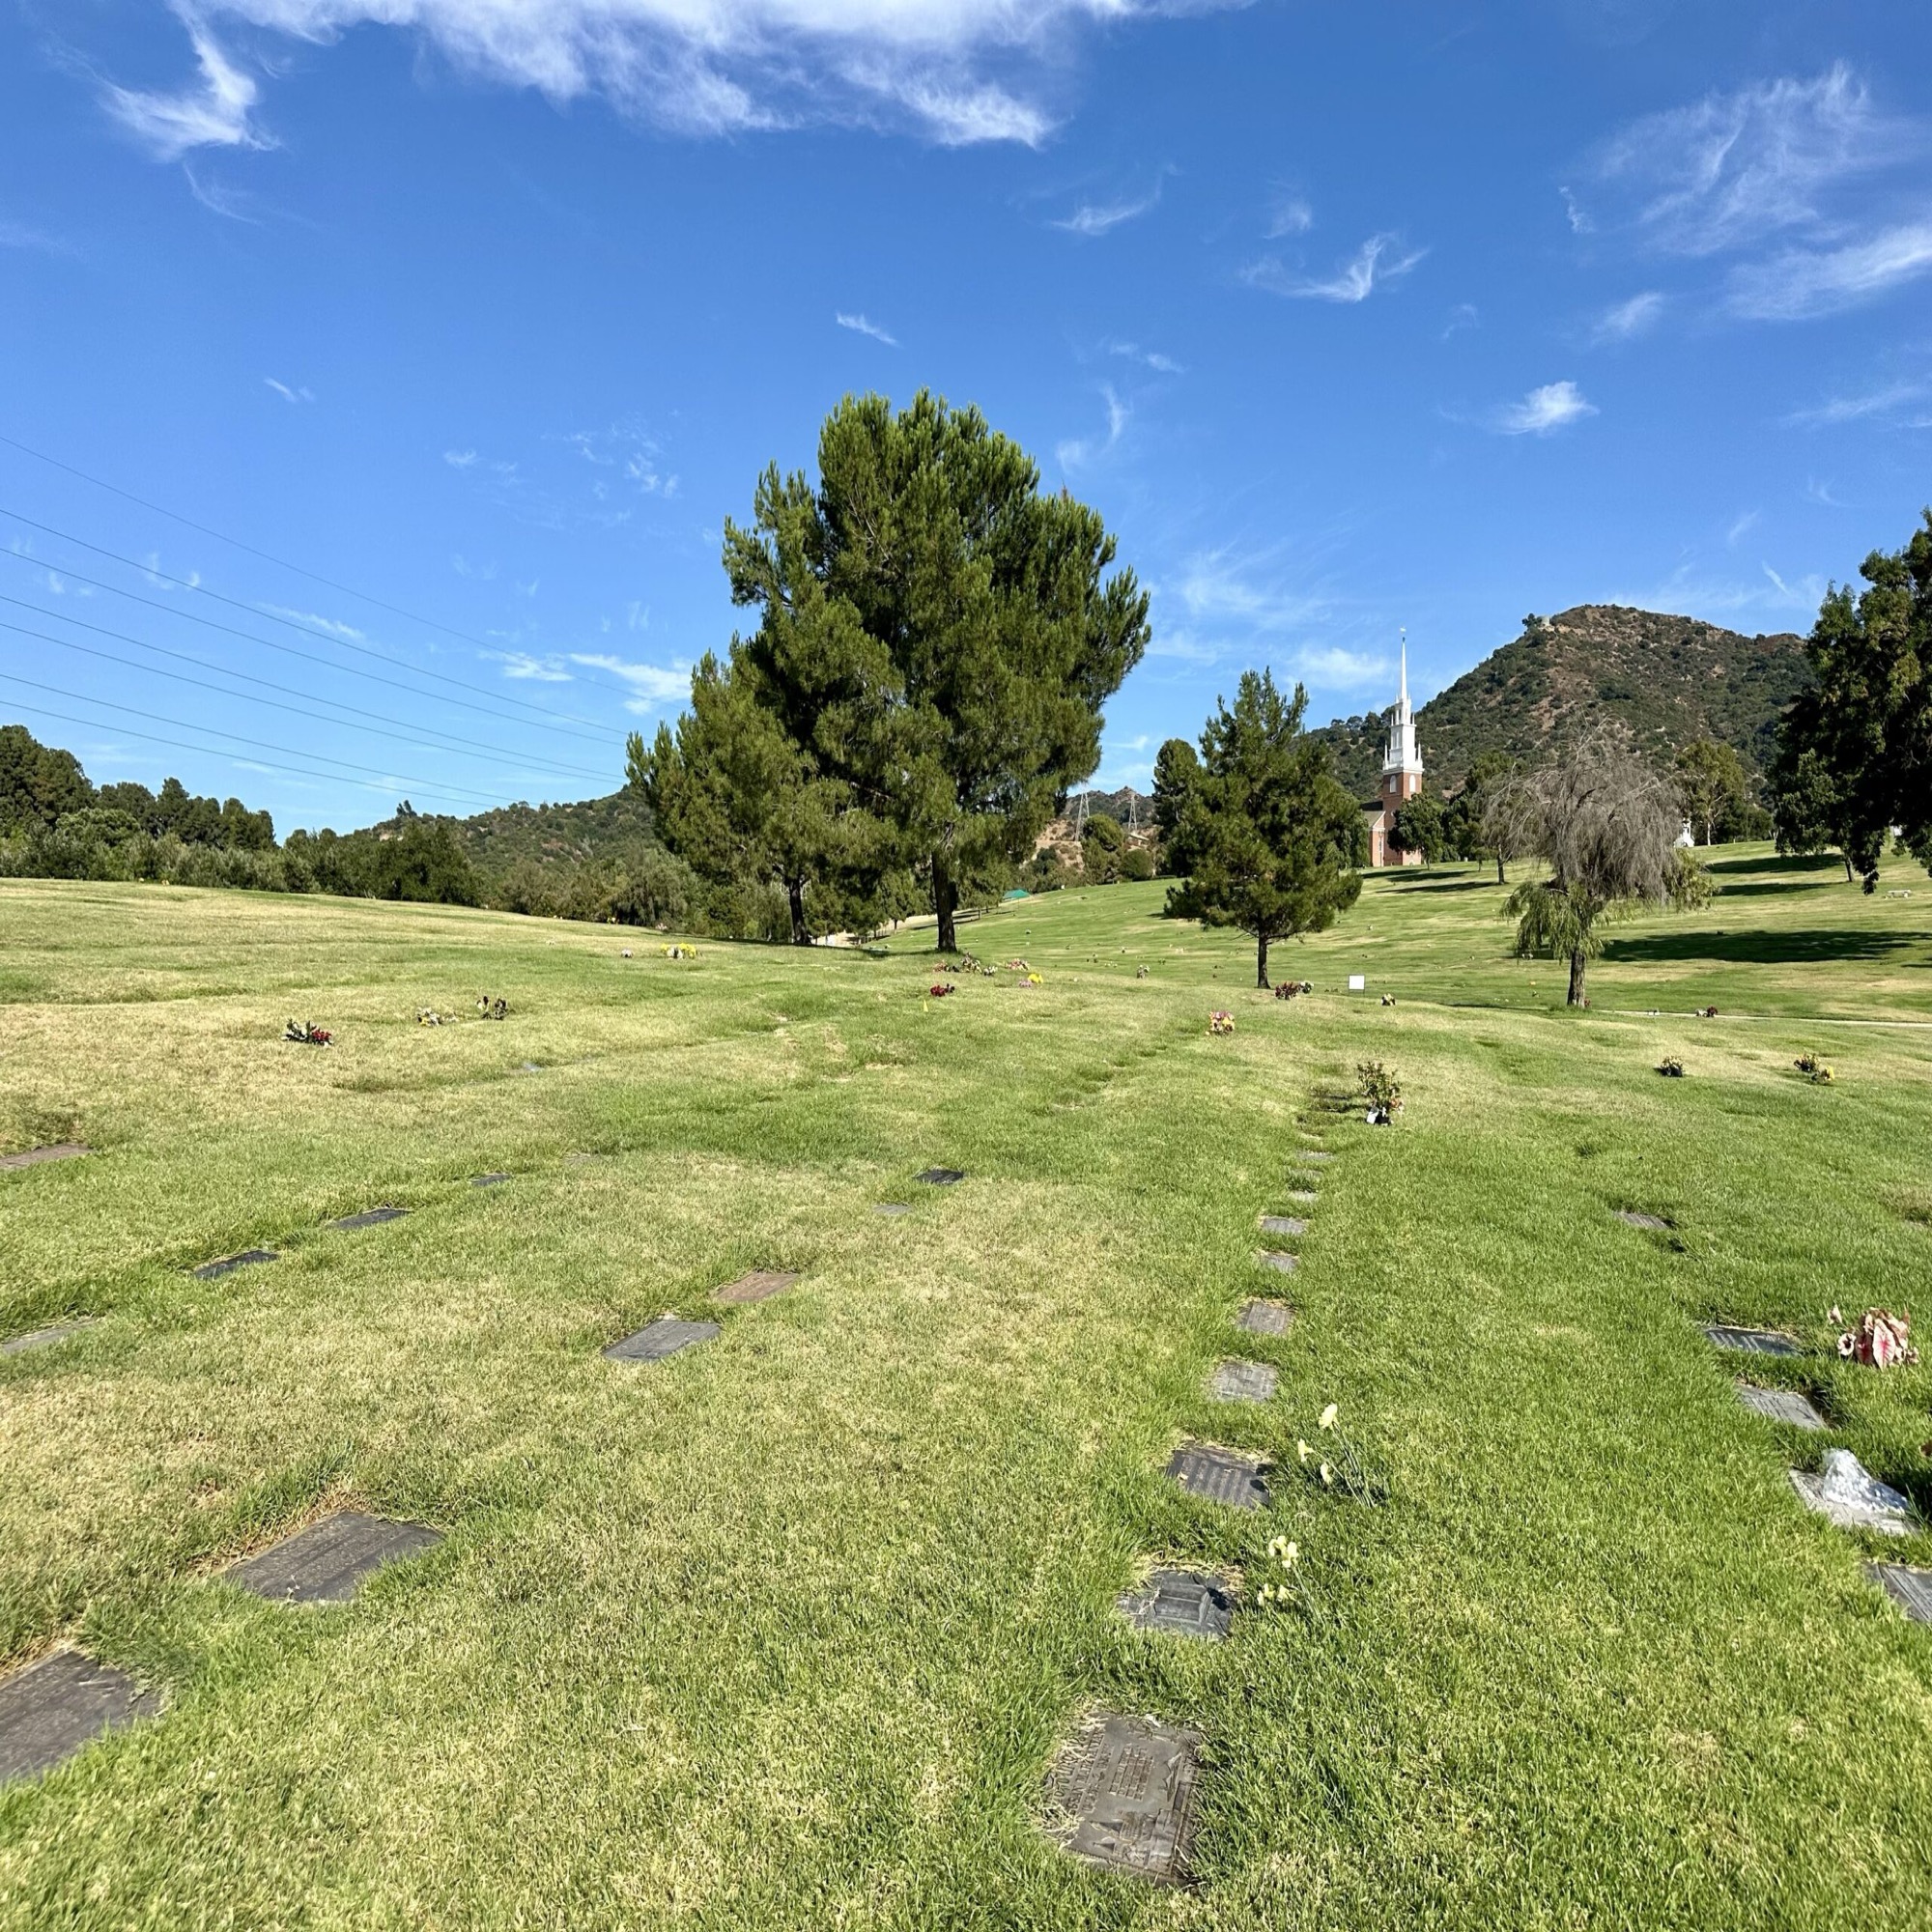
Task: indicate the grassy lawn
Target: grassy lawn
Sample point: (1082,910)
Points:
(785,1631)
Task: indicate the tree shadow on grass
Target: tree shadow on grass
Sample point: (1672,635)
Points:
(1806,948)
(1806,862)
(1450,886)
(1760,887)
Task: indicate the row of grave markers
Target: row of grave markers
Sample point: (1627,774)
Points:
(1124,1788)
(56,1706)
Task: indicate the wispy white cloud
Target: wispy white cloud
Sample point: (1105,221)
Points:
(1580,220)
(1819,491)
(1290,215)
(212,112)
(1627,319)
(1741,528)
(1801,283)
(1733,169)
(1148,358)
(1335,667)
(957,72)
(1225,587)
(1096,219)
(1381,259)
(1690,590)
(287,394)
(19,235)
(314,621)
(861,324)
(1079,451)
(653,686)
(1886,402)
(523,666)
(1465,314)
(1542,410)
(461,459)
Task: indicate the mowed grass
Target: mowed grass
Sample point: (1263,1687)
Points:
(786,1631)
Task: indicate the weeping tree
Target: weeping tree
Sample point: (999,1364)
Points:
(1607,825)
(1266,837)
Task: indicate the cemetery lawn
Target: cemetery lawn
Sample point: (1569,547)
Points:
(785,1631)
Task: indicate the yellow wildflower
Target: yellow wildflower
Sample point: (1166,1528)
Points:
(1328,1415)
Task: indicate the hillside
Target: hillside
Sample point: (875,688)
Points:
(1669,679)
(592,830)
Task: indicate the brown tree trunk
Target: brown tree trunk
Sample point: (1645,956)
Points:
(1576,965)
(945,902)
(801,933)
(1500,880)
(1847,857)
(1262,961)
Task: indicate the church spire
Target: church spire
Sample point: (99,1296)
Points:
(1405,669)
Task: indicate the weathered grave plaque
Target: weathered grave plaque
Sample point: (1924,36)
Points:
(1751,1342)
(45,1338)
(1307,1196)
(1910,1589)
(34,1156)
(331,1560)
(1243,1381)
(1182,1602)
(1126,1787)
(489,1179)
(1780,1405)
(1848,1494)
(942,1177)
(663,1337)
(760,1285)
(1218,1476)
(1314,1154)
(1274,1258)
(1282,1224)
(892,1207)
(1265,1317)
(1631,1218)
(49,1710)
(370,1217)
(228,1264)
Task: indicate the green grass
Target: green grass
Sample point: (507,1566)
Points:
(785,1632)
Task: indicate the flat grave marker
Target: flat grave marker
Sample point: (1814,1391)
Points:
(760,1285)
(34,1156)
(1316,1154)
(1909,1588)
(1182,1602)
(1125,1786)
(1265,1317)
(664,1337)
(1243,1381)
(891,1208)
(1276,1259)
(489,1179)
(1282,1224)
(45,1338)
(1307,1196)
(370,1217)
(1631,1218)
(1848,1494)
(1780,1405)
(1751,1341)
(228,1264)
(942,1177)
(51,1709)
(331,1560)
(1218,1476)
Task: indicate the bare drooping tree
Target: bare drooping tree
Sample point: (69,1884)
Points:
(1608,826)
(1512,818)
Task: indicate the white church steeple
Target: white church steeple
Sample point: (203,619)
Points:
(1405,755)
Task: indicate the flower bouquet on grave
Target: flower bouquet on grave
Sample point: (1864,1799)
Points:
(940,990)
(1288,1586)
(1880,1341)
(1670,1067)
(1219,1022)
(487,1008)
(1381,1090)
(1338,1465)
(1814,1069)
(305,1033)
(680,953)
(428,1016)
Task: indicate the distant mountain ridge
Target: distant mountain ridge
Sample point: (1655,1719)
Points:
(1668,679)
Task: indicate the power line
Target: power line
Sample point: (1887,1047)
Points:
(267,556)
(546,718)
(271,645)
(206,750)
(388,779)
(307,709)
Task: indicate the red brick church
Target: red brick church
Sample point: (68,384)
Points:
(1401,778)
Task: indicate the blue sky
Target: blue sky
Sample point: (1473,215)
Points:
(459,327)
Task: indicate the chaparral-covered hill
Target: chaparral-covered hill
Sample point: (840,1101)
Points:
(1669,679)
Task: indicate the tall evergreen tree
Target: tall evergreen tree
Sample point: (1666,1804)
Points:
(936,641)
(1263,834)
(1855,751)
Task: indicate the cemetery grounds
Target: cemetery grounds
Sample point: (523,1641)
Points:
(786,1630)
